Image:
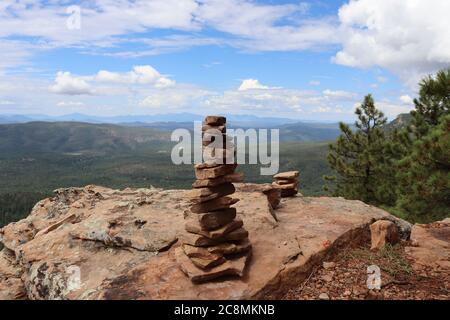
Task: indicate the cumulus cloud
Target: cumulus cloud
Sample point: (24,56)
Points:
(410,38)
(66,83)
(250,84)
(139,75)
(314,83)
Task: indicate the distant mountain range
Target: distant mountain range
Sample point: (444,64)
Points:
(75,137)
(56,135)
(242,120)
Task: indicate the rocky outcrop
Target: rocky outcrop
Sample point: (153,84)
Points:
(98,243)
(431,246)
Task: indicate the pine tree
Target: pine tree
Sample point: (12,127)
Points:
(357,157)
(423,171)
(433,102)
(424,175)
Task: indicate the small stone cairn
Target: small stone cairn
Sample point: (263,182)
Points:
(216,243)
(287,182)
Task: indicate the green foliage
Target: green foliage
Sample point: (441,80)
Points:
(424,174)
(432,104)
(357,156)
(405,170)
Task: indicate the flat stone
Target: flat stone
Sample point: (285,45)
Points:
(210,193)
(215,172)
(213,220)
(202,241)
(202,258)
(215,120)
(285,186)
(200,252)
(206,165)
(233,177)
(207,127)
(235,267)
(214,234)
(231,248)
(286,181)
(213,205)
(206,263)
(286,175)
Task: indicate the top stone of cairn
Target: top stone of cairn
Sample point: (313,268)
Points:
(215,120)
(287,175)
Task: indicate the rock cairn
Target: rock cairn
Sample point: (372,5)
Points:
(216,244)
(287,182)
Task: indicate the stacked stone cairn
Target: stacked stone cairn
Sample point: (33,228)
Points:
(287,182)
(216,244)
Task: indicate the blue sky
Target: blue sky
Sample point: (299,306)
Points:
(312,60)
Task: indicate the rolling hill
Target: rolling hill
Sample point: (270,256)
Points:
(67,137)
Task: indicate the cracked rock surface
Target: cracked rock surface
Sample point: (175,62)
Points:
(99,243)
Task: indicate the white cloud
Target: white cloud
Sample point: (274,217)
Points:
(392,110)
(263,27)
(406,99)
(139,75)
(281,101)
(410,38)
(314,83)
(100,20)
(108,82)
(70,104)
(66,83)
(339,94)
(251,84)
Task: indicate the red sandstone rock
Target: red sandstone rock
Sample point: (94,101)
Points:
(383,232)
(213,205)
(210,193)
(143,264)
(217,233)
(215,120)
(233,177)
(212,220)
(287,175)
(432,246)
(233,267)
(215,172)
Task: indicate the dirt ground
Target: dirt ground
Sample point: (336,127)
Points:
(345,278)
